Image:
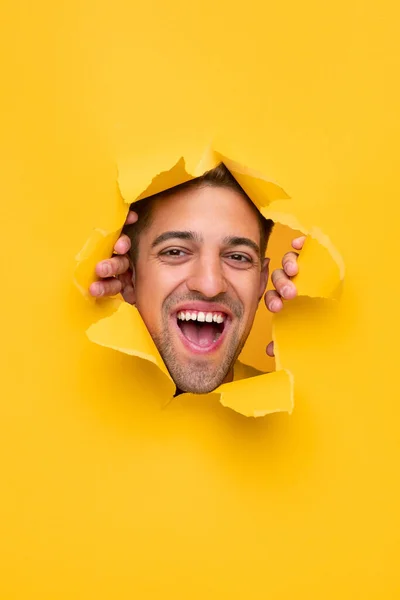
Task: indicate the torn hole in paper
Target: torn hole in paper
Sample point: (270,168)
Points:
(321,273)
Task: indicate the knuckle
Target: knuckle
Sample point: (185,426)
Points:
(111,267)
(271,295)
(277,275)
(281,282)
(123,265)
(289,257)
(105,268)
(113,287)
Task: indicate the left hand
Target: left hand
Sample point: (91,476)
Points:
(285,289)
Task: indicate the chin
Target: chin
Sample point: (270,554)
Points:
(202,388)
(199,365)
(198,377)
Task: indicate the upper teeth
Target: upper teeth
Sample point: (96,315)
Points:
(187,315)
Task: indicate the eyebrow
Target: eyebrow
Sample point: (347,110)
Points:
(192,236)
(180,235)
(242,241)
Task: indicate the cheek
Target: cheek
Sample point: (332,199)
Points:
(154,278)
(247,288)
(153,284)
(149,296)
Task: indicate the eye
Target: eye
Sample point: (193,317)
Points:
(242,258)
(239,260)
(174,255)
(173,252)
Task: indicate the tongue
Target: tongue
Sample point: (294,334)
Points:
(203,335)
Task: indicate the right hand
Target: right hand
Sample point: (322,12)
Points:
(115,273)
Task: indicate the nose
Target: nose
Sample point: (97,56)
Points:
(207,277)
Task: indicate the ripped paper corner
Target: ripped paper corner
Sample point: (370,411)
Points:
(126,332)
(261,395)
(321,266)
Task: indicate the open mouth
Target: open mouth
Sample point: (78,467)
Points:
(202,331)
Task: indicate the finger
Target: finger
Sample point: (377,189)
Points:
(270,349)
(283,285)
(112,266)
(131,218)
(127,290)
(298,243)
(122,245)
(126,278)
(289,264)
(128,294)
(108,287)
(273,301)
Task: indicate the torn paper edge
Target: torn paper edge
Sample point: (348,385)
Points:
(211,157)
(193,168)
(315,232)
(84,255)
(259,412)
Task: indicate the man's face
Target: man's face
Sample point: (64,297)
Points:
(198,280)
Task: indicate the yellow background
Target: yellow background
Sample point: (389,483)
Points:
(104,493)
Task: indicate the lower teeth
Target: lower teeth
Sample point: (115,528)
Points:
(218,329)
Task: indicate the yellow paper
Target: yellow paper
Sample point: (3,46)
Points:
(106,491)
(125,331)
(245,398)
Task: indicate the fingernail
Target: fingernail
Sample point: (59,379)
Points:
(275,305)
(286,291)
(97,289)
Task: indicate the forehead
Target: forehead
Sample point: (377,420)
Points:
(208,210)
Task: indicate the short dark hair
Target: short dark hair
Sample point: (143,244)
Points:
(220,176)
